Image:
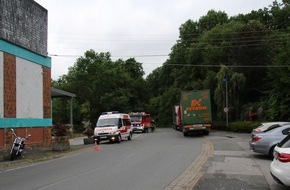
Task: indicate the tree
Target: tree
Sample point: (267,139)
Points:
(277,97)
(104,85)
(235,86)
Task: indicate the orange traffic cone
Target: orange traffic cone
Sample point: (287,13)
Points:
(96,147)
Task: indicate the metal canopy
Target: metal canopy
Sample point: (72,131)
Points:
(57,93)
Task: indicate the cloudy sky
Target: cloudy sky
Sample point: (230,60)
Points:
(144,29)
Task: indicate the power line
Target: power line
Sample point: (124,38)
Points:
(232,66)
(153,55)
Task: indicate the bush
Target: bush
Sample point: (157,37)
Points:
(237,126)
(60,130)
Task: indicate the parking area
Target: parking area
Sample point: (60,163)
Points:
(235,166)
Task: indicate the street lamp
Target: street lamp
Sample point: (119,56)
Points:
(226,109)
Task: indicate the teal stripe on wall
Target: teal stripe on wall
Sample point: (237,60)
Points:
(19,122)
(24,53)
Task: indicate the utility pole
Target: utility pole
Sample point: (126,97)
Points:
(226,109)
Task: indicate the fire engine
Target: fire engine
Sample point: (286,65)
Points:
(113,126)
(141,122)
(177,118)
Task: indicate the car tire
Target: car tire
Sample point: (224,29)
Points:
(271,152)
(130,136)
(119,138)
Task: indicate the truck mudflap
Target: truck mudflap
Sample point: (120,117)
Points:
(195,128)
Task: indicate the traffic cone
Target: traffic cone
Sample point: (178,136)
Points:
(96,147)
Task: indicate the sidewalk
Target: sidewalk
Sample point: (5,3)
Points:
(77,141)
(231,166)
(32,155)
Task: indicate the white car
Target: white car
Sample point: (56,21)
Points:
(280,166)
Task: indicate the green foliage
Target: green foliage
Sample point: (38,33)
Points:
(251,51)
(102,85)
(237,126)
(238,48)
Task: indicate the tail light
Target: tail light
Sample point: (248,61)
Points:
(256,138)
(283,157)
(258,130)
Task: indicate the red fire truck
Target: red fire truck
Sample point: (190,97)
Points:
(177,118)
(141,122)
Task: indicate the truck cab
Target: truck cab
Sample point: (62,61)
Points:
(113,126)
(141,122)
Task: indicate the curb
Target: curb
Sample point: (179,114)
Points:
(193,173)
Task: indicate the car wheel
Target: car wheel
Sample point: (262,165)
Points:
(130,136)
(271,152)
(119,139)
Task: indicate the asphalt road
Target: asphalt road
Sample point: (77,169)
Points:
(162,160)
(150,161)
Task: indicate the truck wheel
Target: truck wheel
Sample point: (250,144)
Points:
(185,134)
(130,136)
(205,132)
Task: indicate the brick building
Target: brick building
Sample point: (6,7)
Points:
(25,73)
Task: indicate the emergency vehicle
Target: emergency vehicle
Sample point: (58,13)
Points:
(113,126)
(177,118)
(141,121)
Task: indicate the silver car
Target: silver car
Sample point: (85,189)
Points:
(265,142)
(268,125)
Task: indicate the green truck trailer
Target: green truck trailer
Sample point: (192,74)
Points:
(195,110)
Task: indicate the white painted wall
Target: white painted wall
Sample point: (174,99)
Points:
(1,85)
(29,89)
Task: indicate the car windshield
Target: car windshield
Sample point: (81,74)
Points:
(107,122)
(136,118)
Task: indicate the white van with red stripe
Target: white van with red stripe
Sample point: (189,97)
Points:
(113,126)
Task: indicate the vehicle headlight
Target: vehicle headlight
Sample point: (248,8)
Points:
(114,133)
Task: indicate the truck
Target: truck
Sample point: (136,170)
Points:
(195,110)
(176,118)
(141,122)
(113,126)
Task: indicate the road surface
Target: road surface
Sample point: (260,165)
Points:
(150,161)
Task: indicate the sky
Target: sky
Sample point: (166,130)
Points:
(143,29)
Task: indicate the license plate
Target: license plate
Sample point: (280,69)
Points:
(103,137)
(195,128)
